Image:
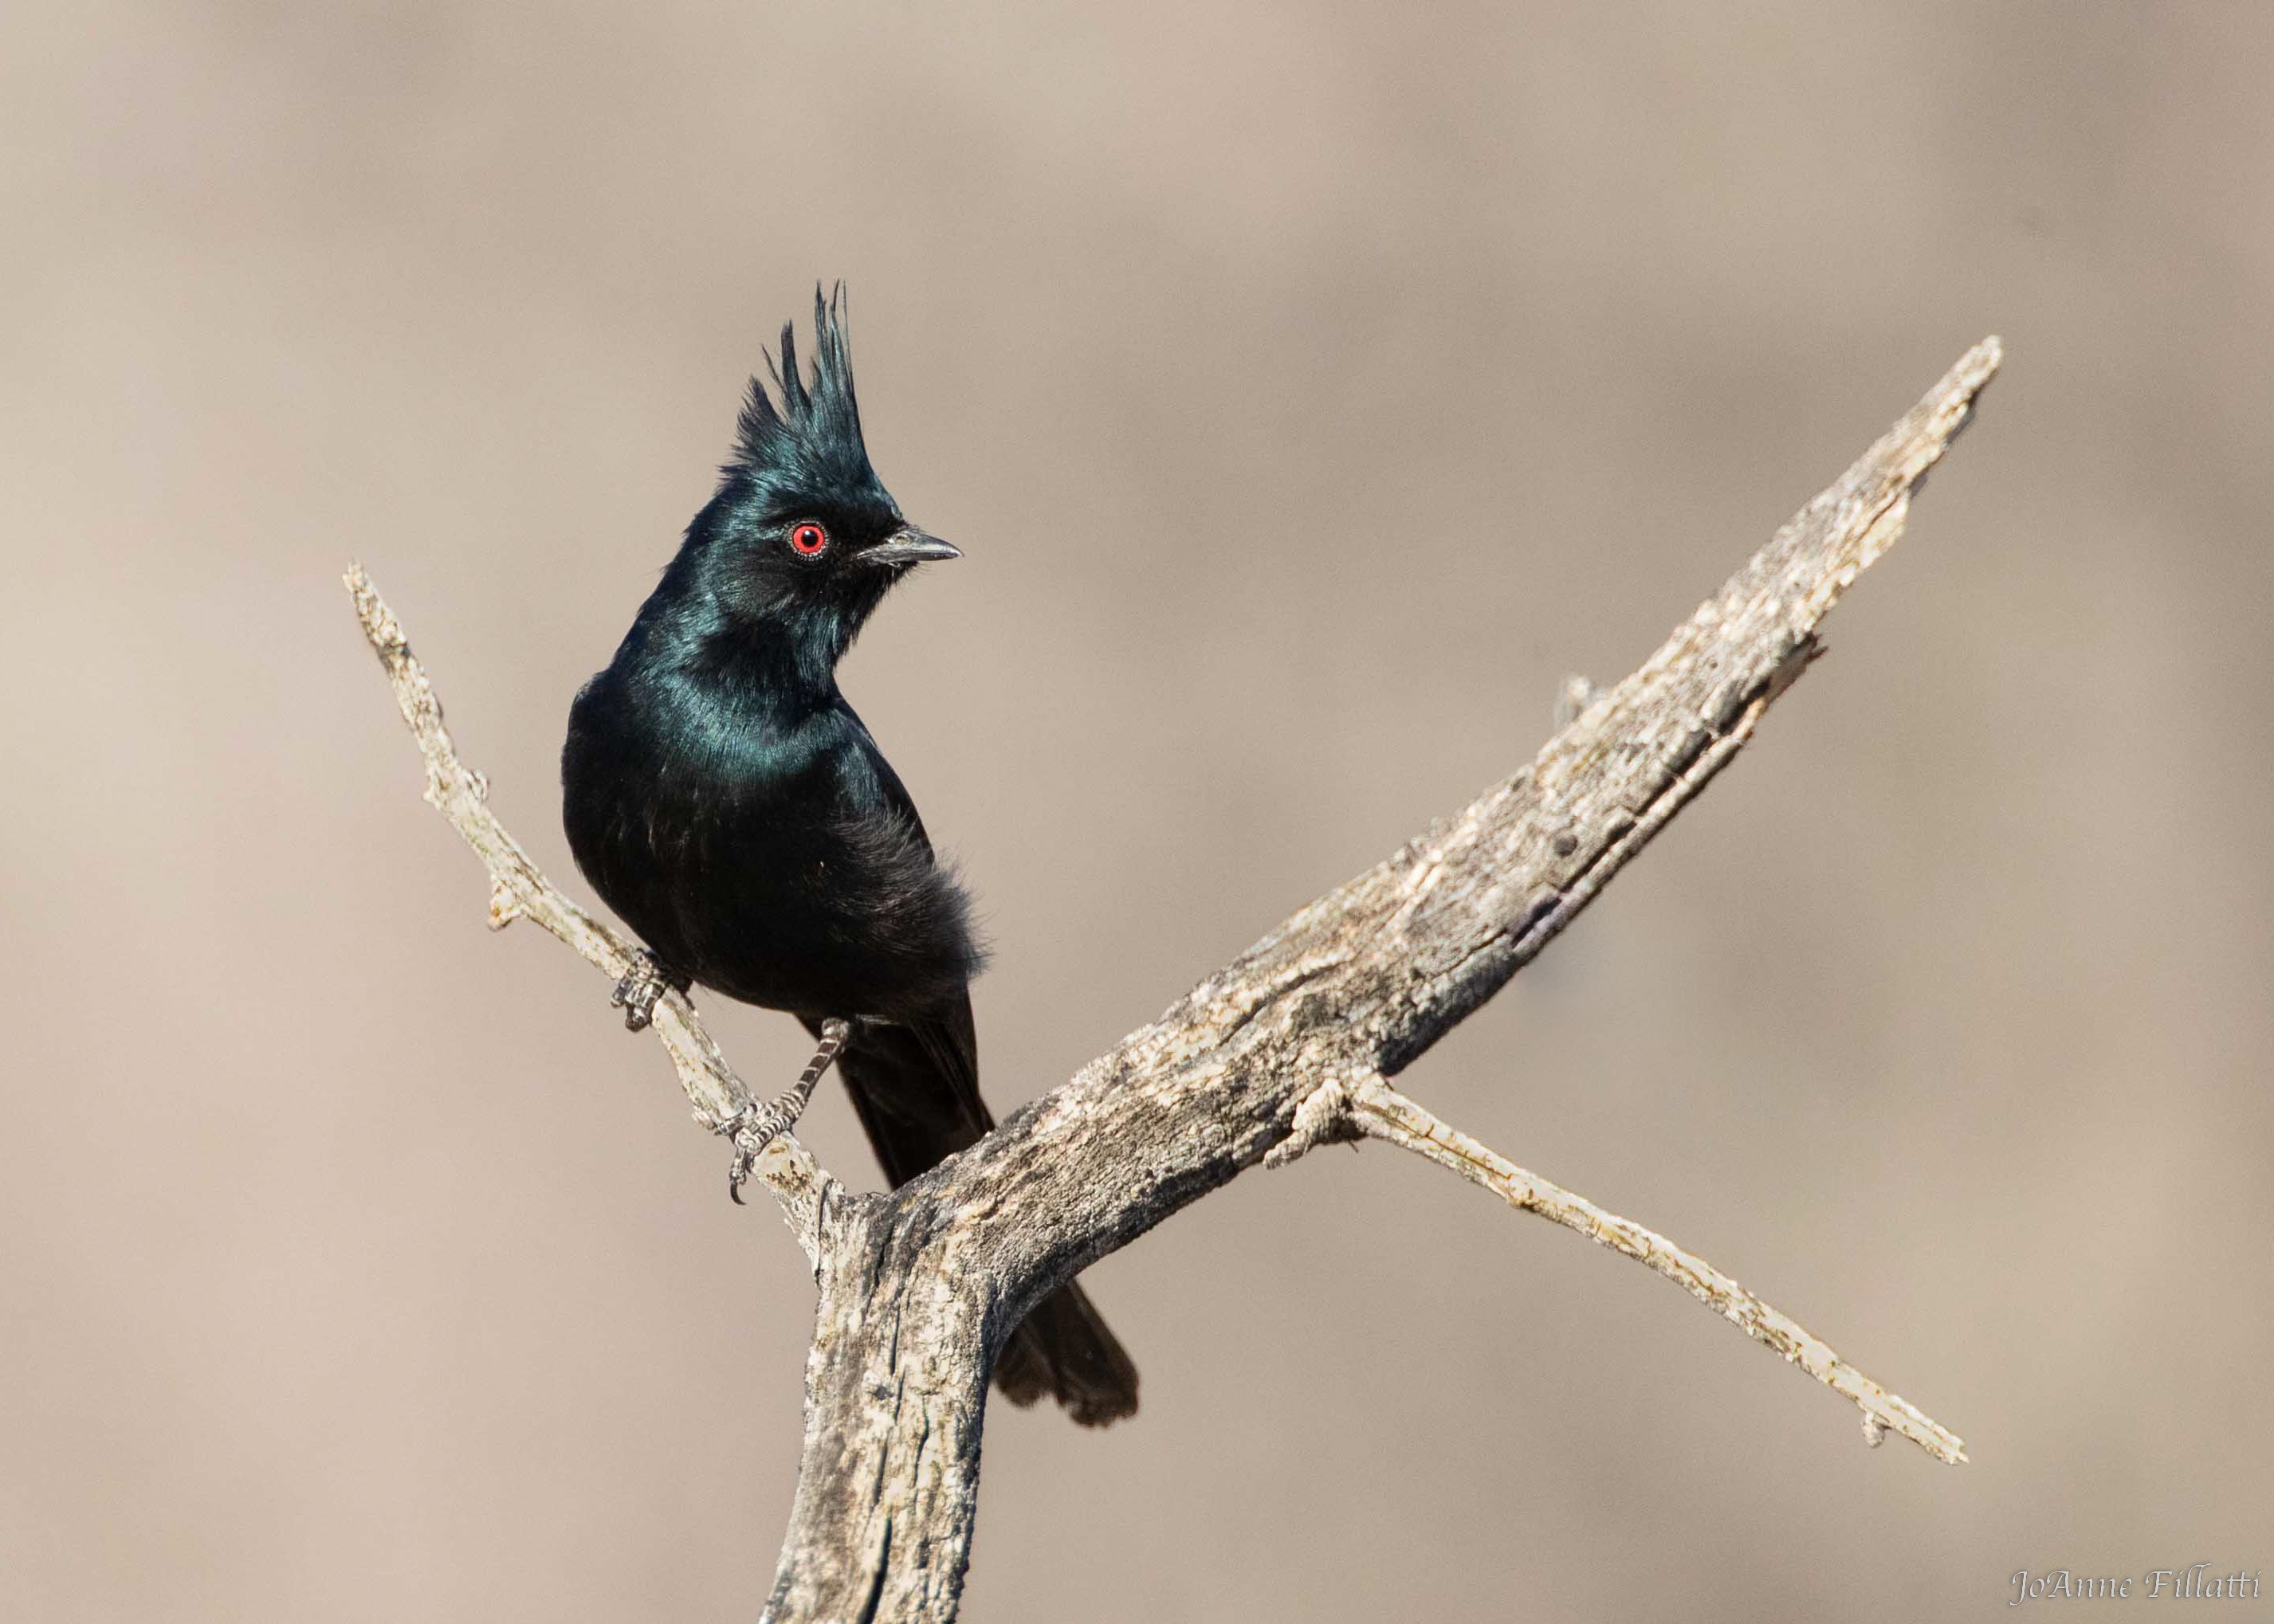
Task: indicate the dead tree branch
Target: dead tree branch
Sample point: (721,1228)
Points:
(1289,1046)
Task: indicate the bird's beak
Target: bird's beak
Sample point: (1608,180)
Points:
(910,546)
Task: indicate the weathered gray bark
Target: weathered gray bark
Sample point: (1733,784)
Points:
(1289,1046)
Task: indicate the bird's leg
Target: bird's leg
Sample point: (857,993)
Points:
(760,1127)
(642,984)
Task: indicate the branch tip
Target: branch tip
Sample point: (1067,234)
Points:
(1382,1112)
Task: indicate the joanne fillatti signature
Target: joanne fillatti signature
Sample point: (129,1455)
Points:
(2193,1583)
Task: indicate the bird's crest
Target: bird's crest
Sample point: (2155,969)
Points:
(816,430)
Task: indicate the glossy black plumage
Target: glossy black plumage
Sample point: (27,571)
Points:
(729,804)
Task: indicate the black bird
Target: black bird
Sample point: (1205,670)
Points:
(726,802)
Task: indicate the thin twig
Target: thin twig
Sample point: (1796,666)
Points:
(1382,1112)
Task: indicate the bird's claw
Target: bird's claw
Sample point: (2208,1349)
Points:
(755,1127)
(752,1130)
(637,993)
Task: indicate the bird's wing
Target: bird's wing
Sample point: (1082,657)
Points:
(888,790)
(914,1081)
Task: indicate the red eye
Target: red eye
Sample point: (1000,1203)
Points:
(810,539)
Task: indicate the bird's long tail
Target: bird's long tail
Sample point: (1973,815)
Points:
(917,1092)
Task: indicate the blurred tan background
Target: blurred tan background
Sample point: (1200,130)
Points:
(1312,387)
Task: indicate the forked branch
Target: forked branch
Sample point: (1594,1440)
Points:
(1289,1046)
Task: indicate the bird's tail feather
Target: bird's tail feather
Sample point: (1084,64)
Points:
(917,1092)
(1063,1350)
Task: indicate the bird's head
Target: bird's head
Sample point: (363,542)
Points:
(801,539)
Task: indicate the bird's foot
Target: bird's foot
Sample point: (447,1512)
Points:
(635,994)
(755,1128)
